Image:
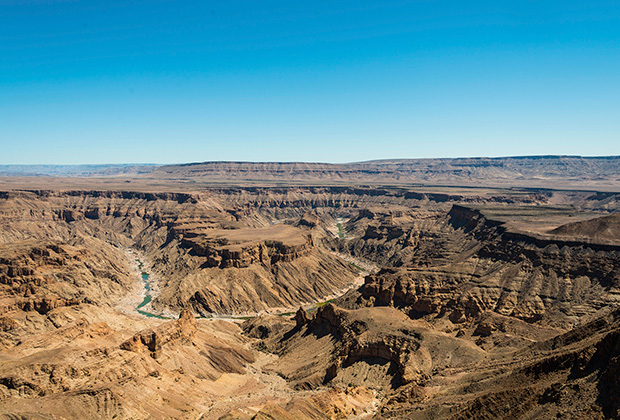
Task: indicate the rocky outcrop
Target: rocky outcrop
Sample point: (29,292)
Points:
(301,317)
(257,287)
(273,266)
(266,252)
(79,371)
(43,276)
(267,327)
(152,341)
(569,376)
(601,229)
(335,343)
(43,305)
(334,403)
(309,219)
(478,264)
(357,341)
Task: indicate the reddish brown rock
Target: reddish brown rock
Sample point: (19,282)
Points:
(153,340)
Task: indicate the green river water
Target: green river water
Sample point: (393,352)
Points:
(147,297)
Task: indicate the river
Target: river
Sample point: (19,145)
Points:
(367,268)
(147,296)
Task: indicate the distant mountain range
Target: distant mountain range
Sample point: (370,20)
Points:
(535,171)
(76,170)
(524,171)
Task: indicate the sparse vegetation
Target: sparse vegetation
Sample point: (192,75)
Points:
(357,267)
(340,230)
(318,305)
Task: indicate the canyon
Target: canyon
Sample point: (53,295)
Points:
(379,290)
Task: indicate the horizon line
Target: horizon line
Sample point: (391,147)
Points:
(548,156)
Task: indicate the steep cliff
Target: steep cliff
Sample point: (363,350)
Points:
(477,265)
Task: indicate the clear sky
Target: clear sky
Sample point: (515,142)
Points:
(335,81)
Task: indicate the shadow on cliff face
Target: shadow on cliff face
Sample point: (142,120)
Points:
(379,346)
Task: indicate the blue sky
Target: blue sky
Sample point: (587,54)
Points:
(335,81)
